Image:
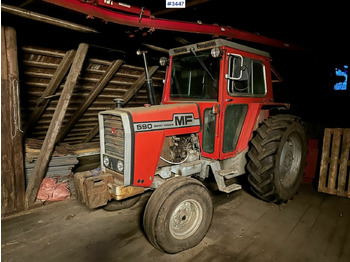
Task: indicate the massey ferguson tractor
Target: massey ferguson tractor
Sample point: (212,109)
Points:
(215,119)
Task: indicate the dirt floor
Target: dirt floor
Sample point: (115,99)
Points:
(312,227)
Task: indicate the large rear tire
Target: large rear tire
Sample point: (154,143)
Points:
(277,158)
(178,214)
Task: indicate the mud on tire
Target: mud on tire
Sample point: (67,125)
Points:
(277,158)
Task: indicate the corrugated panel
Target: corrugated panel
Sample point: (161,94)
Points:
(38,67)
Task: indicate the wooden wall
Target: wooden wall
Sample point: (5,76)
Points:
(12,167)
(33,80)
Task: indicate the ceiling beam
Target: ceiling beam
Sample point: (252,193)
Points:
(126,98)
(51,89)
(45,19)
(90,98)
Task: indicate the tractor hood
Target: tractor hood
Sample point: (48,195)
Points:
(165,117)
(135,137)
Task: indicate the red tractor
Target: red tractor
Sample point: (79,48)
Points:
(214,120)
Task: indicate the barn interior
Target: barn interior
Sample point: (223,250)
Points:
(39,41)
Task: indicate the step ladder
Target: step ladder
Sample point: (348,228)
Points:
(220,177)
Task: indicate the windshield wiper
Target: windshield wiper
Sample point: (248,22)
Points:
(203,65)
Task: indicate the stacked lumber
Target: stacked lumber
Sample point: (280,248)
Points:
(65,159)
(33,146)
(60,167)
(88,155)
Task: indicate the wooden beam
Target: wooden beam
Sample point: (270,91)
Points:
(46,19)
(55,126)
(12,164)
(126,97)
(91,134)
(96,90)
(51,89)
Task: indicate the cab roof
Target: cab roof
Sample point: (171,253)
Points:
(216,43)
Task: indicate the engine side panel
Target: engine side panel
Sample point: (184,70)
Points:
(151,126)
(148,146)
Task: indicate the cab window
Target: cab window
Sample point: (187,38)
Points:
(195,76)
(245,76)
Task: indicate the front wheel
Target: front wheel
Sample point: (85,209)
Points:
(116,205)
(277,158)
(178,215)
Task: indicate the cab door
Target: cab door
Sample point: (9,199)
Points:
(245,90)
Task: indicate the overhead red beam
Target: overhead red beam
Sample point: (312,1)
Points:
(171,25)
(124,7)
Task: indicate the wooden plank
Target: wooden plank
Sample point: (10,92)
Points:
(125,192)
(95,91)
(12,169)
(7,181)
(55,126)
(87,149)
(126,97)
(51,89)
(324,163)
(46,19)
(57,161)
(91,134)
(347,171)
(343,165)
(333,168)
(321,235)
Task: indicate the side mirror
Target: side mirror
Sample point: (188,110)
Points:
(235,67)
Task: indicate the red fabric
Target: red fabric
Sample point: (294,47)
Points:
(50,190)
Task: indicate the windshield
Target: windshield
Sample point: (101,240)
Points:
(195,76)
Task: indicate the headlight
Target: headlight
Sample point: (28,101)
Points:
(215,52)
(106,161)
(163,61)
(120,166)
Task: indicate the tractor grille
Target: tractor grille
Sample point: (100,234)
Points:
(114,136)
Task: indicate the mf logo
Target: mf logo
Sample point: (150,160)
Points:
(114,131)
(178,121)
(183,120)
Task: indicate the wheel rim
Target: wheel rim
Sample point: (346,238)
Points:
(290,160)
(186,219)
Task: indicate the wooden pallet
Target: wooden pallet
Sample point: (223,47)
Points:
(335,163)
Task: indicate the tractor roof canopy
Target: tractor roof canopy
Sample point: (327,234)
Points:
(216,43)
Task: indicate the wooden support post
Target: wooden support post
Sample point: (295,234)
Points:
(127,97)
(51,89)
(91,134)
(12,164)
(55,126)
(96,90)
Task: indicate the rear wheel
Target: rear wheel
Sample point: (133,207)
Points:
(178,215)
(277,158)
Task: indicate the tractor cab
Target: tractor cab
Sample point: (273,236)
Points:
(229,82)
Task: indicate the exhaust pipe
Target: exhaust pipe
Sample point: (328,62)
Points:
(150,88)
